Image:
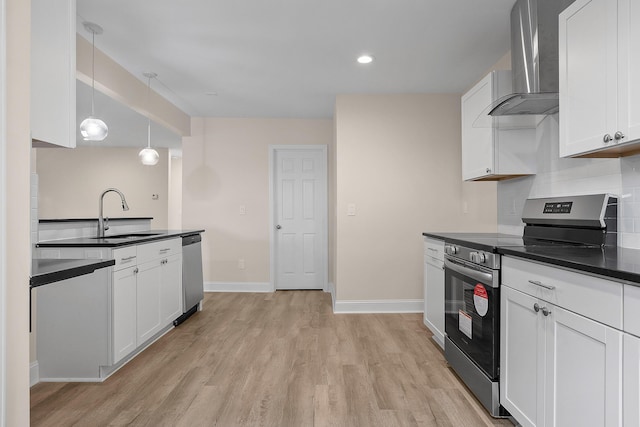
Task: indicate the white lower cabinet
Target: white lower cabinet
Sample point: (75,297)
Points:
(583,378)
(434,288)
(141,299)
(631,381)
(558,367)
(124,312)
(149,321)
(171,289)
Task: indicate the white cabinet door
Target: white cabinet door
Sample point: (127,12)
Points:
(588,75)
(171,289)
(477,131)
(629,68)
(522,352)
(149,320)
(124,313)
(495,148)
(53,71)
(583,373)
(631,381)
(434,299)
(599,78)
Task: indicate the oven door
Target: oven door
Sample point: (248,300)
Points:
(472,307)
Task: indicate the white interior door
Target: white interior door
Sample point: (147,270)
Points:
(300,215)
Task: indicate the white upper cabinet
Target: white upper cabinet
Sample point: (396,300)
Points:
(599,78)
(53,72)
(494,148)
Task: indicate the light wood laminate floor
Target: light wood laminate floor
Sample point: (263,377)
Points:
(281,359)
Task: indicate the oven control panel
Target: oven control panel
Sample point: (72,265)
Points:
(475,256)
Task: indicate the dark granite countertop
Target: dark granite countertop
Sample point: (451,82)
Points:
(612,262)
(134,238)
(49,220)
(45,271)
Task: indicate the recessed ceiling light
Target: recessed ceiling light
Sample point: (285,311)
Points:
(365,59)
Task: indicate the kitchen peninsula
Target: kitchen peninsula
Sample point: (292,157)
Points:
(89,326)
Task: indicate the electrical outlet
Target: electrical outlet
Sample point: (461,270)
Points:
(243,210)
(241,263)
(351,209)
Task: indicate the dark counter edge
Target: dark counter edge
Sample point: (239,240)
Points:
(610,273)
(67,273)
(105,243)
(92,219)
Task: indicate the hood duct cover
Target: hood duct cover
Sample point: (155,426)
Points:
(534,59)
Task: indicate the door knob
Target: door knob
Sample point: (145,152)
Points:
(536,307)
(606,138)
(618,136)
(278,227)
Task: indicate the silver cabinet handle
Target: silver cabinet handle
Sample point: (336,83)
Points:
(606,138)
(536,307)
(278,227)
(618,136)
(488,170)
(546,311)
(165,250)
(129,258)
(542,285)
(135,270)
(434,250)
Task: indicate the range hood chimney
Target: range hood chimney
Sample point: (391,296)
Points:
(534,59)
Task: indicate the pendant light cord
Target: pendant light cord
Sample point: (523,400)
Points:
(148,114)
(93,71)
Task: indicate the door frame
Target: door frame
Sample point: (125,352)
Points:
(3,214)
(272,211)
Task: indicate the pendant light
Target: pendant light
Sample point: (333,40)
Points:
(148,156)
(92,128)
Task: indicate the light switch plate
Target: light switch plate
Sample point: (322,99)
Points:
(351,209)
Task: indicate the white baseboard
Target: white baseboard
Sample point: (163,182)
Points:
(380,306)
(331,288)
(237,287)
(34,373)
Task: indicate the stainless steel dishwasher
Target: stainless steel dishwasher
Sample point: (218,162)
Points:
(192,278)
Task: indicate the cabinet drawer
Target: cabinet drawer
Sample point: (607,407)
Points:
(125,257)
(596,298)
(632,309)
(433,248)
(159,249)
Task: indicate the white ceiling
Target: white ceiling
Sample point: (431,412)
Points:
(289,58)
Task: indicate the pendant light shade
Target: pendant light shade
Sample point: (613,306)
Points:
(148,156)
(92,128)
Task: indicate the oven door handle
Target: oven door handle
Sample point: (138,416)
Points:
(481,276)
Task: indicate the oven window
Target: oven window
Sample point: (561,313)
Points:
(471,319)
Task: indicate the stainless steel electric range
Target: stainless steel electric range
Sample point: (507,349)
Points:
(472,281)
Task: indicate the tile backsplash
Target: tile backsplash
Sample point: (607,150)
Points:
(563,177)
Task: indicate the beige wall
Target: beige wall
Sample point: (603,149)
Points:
(18,256)
(226,164)
(398,159)
(70,182)
(174,219)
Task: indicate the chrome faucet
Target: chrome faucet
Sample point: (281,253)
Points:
(102,227)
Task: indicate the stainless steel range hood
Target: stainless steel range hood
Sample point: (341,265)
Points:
(534,59)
